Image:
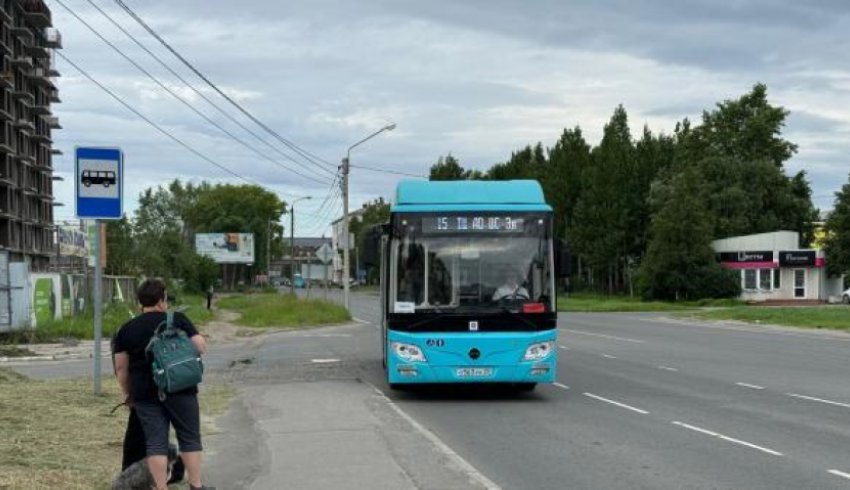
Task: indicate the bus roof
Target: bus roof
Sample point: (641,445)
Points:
(469,195)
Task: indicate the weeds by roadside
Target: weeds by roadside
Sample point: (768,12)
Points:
(57,434)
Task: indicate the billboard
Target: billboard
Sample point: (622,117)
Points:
(226,248)
(72,241)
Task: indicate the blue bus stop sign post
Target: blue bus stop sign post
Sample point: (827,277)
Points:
(99,190)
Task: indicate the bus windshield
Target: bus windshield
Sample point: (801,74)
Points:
(475,262)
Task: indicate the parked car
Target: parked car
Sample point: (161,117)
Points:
(299,282)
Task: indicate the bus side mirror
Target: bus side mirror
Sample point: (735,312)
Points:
(372,246)
(563,259)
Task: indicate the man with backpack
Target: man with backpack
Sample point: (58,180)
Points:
(158,404)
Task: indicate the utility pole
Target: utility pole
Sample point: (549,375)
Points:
(269,252)
(345,240)
(346,166)
(291,250)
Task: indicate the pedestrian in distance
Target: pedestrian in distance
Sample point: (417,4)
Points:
(157,413)
(209,297)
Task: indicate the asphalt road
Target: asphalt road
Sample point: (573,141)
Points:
(645,401)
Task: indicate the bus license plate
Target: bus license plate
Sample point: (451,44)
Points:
(473,372)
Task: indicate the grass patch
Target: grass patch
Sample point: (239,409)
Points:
(285,311)
(196,308)
(823,317)
(588,303)
(585,302)
(57,434)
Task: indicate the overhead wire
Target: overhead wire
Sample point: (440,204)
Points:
(289,144)
(393,172)
(183,101)
(155,125)
(196,91)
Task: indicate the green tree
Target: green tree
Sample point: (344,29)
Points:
(448,168)
(680,263)
(838,233)
(562,182)
(120,248)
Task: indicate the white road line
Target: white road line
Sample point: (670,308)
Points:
(324,361)
(463,464)
(609,356)
(668,368)
(358,320)
(727,438)
(562,386)
(611,337)
(804,397)
(840,473)
(747,385)
(612,402)
(564,347)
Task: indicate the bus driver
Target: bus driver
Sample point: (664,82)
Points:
(511,289)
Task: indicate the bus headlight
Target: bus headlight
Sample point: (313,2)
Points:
(408,352)
(538,351)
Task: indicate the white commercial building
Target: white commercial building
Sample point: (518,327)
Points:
(774,267)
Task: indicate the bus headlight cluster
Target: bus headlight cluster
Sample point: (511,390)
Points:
(538,351)
(408,352)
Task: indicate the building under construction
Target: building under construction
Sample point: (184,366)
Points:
(27,75)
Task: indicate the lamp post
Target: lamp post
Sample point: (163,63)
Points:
(292,242)
(346,166)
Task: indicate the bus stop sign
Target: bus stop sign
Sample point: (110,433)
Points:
(99,183)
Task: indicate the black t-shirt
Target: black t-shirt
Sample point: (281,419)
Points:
(133,338)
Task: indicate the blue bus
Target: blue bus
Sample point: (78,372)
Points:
(468,284)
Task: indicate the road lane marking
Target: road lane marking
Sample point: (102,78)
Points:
(324,361)
(562,386)
(609,356)
(840,473)
(821,400)
(727,438)
(564,347)
(612,402)
(668,368)
(611,337)
(747,385)
(464,465)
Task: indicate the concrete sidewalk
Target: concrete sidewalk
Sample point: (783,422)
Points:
(329,435)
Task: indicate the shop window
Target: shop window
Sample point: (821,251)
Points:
(749,278)
(764,279)
(777,275)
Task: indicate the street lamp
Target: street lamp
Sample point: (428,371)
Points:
(292,242)
(346,166)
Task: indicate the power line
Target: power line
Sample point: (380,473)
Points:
(155,125)
(183,101)
(195,90)
(307,155)
(394,172)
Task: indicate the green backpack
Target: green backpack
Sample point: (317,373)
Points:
(176,363)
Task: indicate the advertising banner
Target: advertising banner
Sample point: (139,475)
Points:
(226,248)
(72,242)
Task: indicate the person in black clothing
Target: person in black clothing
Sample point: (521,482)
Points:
(133,370)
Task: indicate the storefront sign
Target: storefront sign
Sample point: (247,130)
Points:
(738,257)
(798,258)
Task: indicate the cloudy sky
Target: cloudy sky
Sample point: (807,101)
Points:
(477,78)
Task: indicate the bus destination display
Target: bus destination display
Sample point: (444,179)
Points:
(452,224)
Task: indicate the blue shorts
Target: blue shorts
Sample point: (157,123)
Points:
(179,410)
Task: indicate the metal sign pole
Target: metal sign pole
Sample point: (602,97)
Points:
(98,305)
